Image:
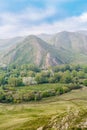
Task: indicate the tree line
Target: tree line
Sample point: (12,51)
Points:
(14,77)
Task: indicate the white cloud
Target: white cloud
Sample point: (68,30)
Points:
(83,17)
(36,14)
(12,25)
(28,15)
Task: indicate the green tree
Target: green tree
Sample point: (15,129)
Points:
(85,82)
(40,78)
(66,78)
(13,82)
(2,80)
(81,74)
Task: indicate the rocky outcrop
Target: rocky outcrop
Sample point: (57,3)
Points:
(71,120)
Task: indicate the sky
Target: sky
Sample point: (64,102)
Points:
(25,17)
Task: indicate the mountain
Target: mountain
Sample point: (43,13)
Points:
(6,44)
(74,43)
(70,41)
(45,50)
(83,32)
(33,50)
(45,37)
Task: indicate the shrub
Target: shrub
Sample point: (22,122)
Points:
(85,82)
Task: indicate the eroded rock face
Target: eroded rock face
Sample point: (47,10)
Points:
(50,61)
(32,50)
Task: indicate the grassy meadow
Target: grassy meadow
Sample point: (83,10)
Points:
(32,115)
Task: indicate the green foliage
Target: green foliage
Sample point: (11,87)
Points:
(1,80)
(66,78)
(2,96)
(41,78)
(28,82)
(68,108)
(14,82)
(81,74)
(37,96)
(85,82)
(85,69)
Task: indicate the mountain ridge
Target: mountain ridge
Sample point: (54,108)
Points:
(45,50)
(32,50)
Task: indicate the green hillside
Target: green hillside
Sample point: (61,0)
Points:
(48,50)
(33,50)
(73,43)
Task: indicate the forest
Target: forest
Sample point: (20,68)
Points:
(30,83)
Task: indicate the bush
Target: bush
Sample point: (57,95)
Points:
(38,96)
(28,96)
(48,93)
(85,82)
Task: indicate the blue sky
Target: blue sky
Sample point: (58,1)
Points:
(24,17)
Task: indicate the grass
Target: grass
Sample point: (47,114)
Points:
(30,116)
(39,87)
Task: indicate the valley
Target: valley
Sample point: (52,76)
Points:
(46,113)
(43,65)
(43,82)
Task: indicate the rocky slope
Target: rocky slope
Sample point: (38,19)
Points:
(33,50)
(45,50)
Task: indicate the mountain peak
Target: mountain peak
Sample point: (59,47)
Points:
(64,47)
